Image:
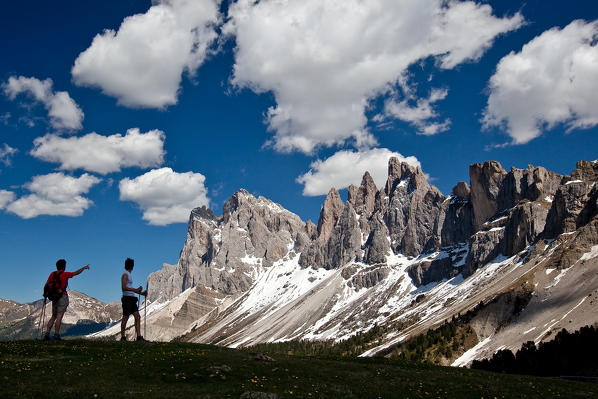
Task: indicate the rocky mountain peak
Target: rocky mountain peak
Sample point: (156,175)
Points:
(260,274)
(223,253)
(530,184)
(402,174)
(493,190)
(235,202)
(395,168)
(363,198)
(412,210)
(330,213)
(203,213)
(462,190)
(586,171)
(407,216)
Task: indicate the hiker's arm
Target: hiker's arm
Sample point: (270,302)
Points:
(80,270)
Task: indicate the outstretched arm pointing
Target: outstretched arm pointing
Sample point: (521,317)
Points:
(80,270)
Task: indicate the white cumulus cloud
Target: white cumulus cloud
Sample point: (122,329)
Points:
(552,80)
(347,167)
(63,111)
(102,154)
(6,197)
(164,195)
(325,60)
(421,114)
(142,64)
(6,153)
(54,194)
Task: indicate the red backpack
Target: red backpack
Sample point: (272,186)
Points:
(53,289)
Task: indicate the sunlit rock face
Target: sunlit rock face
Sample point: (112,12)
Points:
(403,256)
(225,253)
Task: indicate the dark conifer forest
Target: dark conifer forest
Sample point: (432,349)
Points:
(568,354)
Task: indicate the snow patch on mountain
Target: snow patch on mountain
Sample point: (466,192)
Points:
(591,254)
(471,354)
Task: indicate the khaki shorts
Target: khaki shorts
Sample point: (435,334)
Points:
(60,305)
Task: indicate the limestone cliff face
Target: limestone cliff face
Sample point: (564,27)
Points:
(402,255)
(575,202)
(457,226)
(223,253)
(525,224)
(493,190)
(412,210)
(330,214)
(486,181)
(510,209)
(363,201)
(404,216)
(330,236)
(498,213)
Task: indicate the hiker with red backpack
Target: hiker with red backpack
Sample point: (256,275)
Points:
(55,290)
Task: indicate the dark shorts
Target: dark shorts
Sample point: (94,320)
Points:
(60,305)
(129,305)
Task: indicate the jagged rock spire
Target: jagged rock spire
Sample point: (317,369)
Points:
(330,214)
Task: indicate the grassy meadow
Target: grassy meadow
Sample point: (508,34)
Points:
(110,369)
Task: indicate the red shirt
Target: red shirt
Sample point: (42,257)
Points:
(64,277)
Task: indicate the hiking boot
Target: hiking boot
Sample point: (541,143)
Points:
(57,337)
(46,337)
(140,338)
(123,338)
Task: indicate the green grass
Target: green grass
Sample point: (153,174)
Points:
(109,369)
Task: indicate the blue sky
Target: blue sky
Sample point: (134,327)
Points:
(118,117)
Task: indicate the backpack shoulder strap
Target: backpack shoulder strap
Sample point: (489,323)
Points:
(57,278)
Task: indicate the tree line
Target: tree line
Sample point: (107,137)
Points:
(351,347)
(443,343)
(452,337)
(568,354)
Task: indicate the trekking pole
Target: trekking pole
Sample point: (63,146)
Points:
(42,320)
(139,302)
(145,311)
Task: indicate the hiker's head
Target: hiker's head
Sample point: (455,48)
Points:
(60,264)
(129,263)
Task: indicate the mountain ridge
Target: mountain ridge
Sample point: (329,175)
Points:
(84,315)
(258,273)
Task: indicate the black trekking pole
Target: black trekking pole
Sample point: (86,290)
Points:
(42,320)
(139,302)
(145,311)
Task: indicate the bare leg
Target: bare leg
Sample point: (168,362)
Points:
(58,323)
(123,325)
(50,323)
(137,323)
